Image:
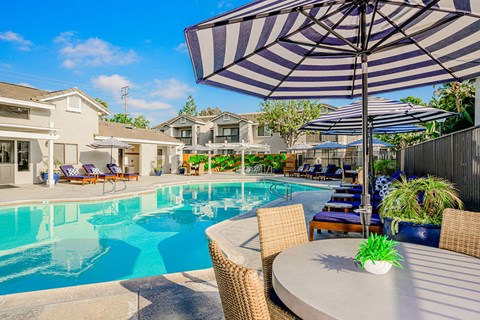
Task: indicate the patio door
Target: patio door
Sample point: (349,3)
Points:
(7,166)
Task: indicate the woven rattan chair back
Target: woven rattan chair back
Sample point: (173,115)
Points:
(461,232)
(279,229)
(241,290)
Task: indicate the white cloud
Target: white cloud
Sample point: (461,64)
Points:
(182,48)
(171,89)
(112,84)
(142,104)
(93,52)
(22,43)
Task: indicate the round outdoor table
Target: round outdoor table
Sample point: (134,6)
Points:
(319,280)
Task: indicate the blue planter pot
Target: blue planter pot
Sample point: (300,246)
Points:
(424,234)
(181,170)
(44,177)
(158,173)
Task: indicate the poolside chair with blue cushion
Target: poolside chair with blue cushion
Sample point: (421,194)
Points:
(343,222)
(302,172)
(116,170)
(327,173)
(313,171)
(71,174)
(92,170)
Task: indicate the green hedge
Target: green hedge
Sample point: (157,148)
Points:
(234,161)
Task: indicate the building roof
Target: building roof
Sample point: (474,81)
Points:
(192,119)
(19,92)
(125,131)
(251,116)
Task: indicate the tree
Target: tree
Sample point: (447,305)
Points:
(139,121)
(414,100)
(102,102)
(190,108)
(456,97)
(210,111)
(286,117)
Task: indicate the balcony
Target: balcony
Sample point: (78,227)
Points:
(186,141)
(222,139)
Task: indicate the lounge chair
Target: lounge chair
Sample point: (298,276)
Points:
(327,173)
(71,174)
(343,222)
(291,173)
(91,170)
(117,171)
(303,172)
(313,171)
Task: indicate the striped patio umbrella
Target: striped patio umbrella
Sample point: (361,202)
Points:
(381,113)
(382,130)
(291,49)
(109,143)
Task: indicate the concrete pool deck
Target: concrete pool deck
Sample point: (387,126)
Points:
(186,295)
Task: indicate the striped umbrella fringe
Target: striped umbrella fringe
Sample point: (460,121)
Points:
(381,113)
(287,49)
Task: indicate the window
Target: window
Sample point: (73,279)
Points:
(328,137)
(6,151)
(65,153)
(74,103)
(186,133)
(230,131)
(23,155)
(264,131)
(283,152)
(159,152)
(226,117)
(183,120)
(14,112)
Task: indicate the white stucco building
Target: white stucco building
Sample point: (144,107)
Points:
(36,124)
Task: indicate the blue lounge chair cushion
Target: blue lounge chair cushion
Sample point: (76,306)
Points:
(345,217)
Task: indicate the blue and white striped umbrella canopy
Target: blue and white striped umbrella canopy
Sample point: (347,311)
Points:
(375,143)
(381,113)
(383,130)
(290,49)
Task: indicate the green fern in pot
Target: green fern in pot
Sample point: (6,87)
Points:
(418,203)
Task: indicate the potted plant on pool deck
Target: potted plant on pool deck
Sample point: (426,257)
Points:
(157,165)
(44,172)
(377,254)
(412,210)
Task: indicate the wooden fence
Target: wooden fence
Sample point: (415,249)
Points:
(455,157)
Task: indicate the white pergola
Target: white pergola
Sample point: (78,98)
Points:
(240,146)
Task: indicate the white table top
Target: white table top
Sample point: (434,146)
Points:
(319,280)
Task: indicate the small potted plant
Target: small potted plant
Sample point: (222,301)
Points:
(377,254)
(412,210)
(157,165)
(44,172)
(182,168)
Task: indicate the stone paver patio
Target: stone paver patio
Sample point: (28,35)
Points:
(186,295)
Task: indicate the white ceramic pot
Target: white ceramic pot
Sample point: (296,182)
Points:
(379,267)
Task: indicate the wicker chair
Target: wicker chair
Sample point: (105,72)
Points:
(279,229)
(241,291)
(460,232)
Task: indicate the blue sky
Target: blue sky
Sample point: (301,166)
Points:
(100,46)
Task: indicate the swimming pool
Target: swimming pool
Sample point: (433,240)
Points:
(47,246)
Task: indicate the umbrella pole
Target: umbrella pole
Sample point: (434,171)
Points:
(111,154)
(365,207)
(372,166)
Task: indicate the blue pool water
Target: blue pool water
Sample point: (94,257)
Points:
(64,244)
